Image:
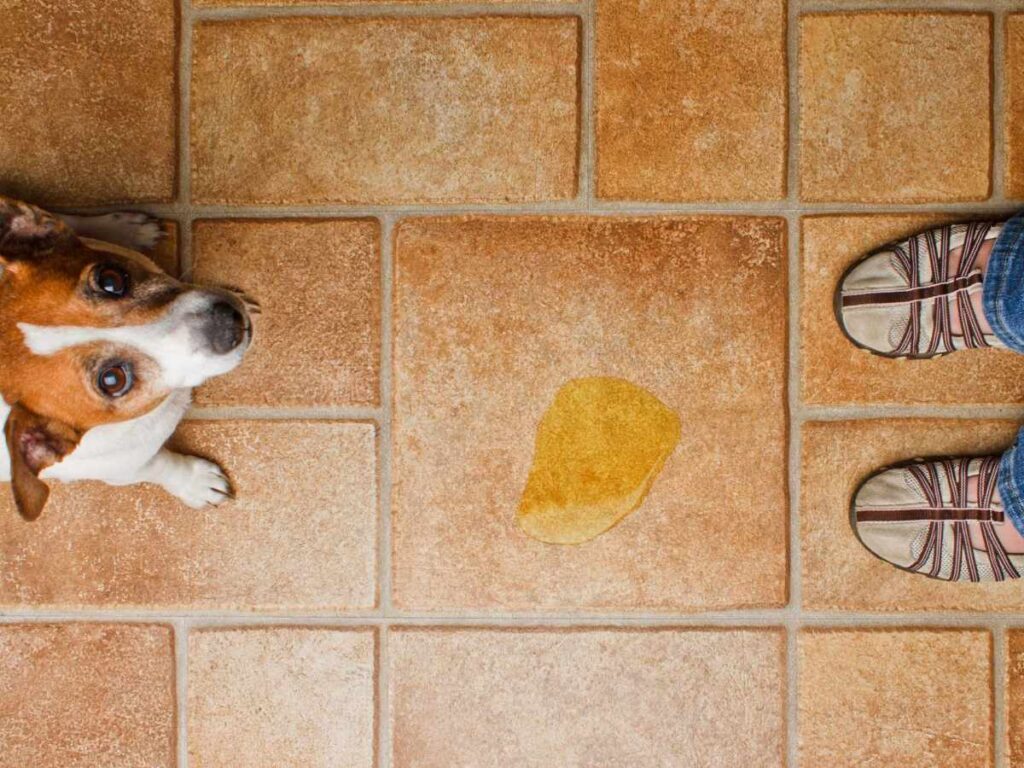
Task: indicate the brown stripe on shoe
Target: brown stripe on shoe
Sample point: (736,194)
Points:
(928,513)
(908,295)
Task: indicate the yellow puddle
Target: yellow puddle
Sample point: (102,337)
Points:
(599,448)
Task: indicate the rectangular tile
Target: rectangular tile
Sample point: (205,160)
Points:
(895,107)
(838,572)
(377,110)
(895,698)
(835,372)
(1014,702)
(83,695)
(90,101)
(577,698)
(301,536)
(677,119)
(494,315)
(1013,105)
(318,282)
(283,696)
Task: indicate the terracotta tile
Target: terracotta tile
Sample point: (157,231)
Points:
(90,101)
(894,107)
(356,110)
(577,698)
(895,698)
(494,315)
(265,698)
(1014,677)
(318,284)
(838,572)
(300,537)
(85,695)
(677,120)
(835,372)
(1013,105)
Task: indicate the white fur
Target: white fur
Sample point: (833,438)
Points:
(132,452)
(172,342)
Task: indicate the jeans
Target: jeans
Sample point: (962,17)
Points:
(1003,299)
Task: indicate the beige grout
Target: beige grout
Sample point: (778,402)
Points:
(181,630)
(395,10)
(588,106)
(384,488)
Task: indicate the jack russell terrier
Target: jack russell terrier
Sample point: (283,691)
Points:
(99,351)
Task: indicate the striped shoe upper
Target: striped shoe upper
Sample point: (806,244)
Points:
(917,517)
(900,301)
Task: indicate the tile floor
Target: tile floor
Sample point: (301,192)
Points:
(449,210)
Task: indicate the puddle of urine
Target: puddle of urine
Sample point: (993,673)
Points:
(599,448)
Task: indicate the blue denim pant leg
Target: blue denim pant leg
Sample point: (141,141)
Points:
(1003,299)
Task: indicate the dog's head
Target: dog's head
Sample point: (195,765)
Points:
(91,333)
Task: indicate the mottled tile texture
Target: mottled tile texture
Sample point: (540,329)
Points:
(504,699)
(86,695)
(668,126)
(1014,676)
(895,107)
(301,535)
(895,699)
(267,698)
(89,100)
(385,110)
(318,334)
(835,372)
(494,315)
(1013,105)
(838,572)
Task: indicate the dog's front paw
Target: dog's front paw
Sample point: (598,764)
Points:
(138,231)
(200,483)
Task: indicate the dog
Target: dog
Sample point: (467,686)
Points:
(99,352)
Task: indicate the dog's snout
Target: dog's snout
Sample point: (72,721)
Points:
(227,327)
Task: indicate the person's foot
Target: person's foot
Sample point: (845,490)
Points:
(920,297)
(942,519)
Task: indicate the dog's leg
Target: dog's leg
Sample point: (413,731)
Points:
(195,481)
(138,231)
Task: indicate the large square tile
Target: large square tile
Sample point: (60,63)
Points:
(838,572)
(385,110)
(494,315)
(282,696)
(300,537)
(895,698)
(318,334)
(577,698)
(87,695)
(677,120)
(895,107)
(90,101)
(835,372)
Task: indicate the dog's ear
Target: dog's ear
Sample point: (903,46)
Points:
(27,231)
(34,443)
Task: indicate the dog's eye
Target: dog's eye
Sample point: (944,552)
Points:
(115,380)
(113,281)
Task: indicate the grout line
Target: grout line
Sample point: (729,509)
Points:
(395,10)
(719,620)
(569,208)
(858,412)
(999,668)
(385,443)
(181,629)
(588,131)
(895,6)
(792,735)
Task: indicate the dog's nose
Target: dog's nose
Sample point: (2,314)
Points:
(227,327)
